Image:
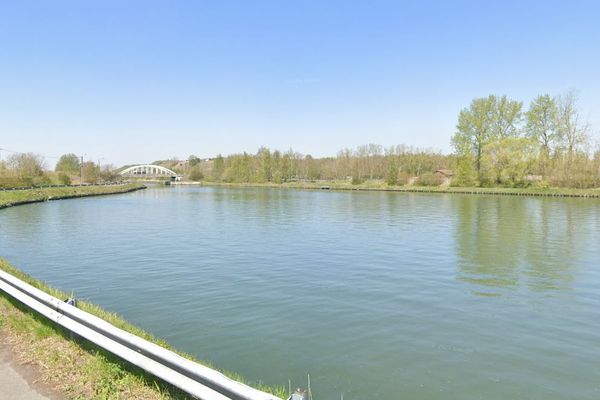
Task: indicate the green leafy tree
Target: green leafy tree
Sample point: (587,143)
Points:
(541,122)
(313,171)
(507,161)
(464,171)
(486,120)
(90,172)
(474,129)
(288,166)
(276,167)
(265,169)
(193,161)
(507,117)
(68,163)
(218,167)
(392,175)
(541,126)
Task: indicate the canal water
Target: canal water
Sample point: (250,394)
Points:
(376,295)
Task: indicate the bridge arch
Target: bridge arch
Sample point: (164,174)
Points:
(148,170)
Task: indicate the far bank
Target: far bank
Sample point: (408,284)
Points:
(384,187)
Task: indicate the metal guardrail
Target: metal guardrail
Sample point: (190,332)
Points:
(195,379)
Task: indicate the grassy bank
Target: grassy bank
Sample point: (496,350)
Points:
(10,198)
(78,369)
(382,186)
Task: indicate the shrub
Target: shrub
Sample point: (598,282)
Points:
(277,177)
(403,178)
(356,180)
(429,179)
(543,184)
(64,179)
(196,174)
(42,180)
(15,182)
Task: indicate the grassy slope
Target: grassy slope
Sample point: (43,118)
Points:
(15,197)
(382,186)
(80,370)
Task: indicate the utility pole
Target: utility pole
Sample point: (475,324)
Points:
(81,171)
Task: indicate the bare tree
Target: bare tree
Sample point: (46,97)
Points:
(26,165)
(572,129)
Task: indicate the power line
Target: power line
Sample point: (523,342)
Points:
(23,152)
(10,151)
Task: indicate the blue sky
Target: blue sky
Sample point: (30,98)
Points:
(136,81)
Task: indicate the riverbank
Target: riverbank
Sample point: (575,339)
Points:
(379,186)
(9,198)
(79,369)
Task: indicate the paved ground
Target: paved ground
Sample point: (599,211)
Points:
(14,380)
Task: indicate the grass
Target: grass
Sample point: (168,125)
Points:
(16,197)
(10,198)
(379,185)
(79,369)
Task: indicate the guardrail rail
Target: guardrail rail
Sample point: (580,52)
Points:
(195,379)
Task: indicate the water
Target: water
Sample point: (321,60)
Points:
(377,295)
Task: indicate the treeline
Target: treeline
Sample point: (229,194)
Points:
(498,143)
(396,165)
(29,169)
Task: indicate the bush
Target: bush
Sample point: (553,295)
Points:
(576,181)
(64,179)
(42,180)
(429,179)
(356,180)
(277,177)
(403,178)
(8,183)
(464,172)
(196,174)
(543,184)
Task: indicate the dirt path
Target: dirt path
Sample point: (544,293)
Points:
(18,382)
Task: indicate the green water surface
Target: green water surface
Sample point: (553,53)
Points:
(376,295)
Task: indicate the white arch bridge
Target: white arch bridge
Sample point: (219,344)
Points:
(149,170)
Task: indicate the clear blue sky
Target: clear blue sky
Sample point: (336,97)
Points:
(136,81)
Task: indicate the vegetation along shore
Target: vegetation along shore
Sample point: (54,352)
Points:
(499,147)
(78,369)
(10,198)
(384,187)
(498,144)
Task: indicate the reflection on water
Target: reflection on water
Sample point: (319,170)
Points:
(521,243)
